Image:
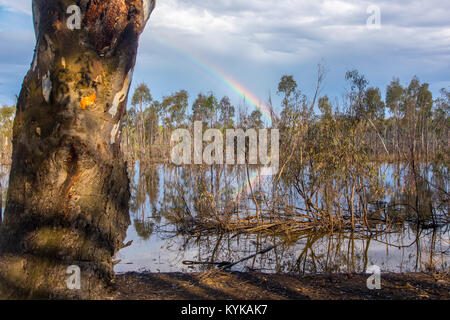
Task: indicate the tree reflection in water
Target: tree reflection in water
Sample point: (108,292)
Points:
(167,201)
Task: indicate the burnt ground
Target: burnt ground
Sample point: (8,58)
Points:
(220,285)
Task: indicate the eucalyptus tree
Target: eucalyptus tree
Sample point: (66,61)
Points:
(394,94)
(67,203)
(152,116)
(141,101)
(6,126)
(178,103)
(174,112)
(255,119)
(287,88)
(441,123)
(325,107)
(227,112)
(358,91)
(204,108)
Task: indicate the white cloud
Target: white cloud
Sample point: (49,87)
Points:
(256,39)
(262,30)
(255,29)
(19,6)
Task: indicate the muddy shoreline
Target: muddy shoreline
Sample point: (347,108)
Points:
(220,285)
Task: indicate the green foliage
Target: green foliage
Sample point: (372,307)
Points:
(287,86)
(294,105)
(205,107)
(255,119)
(358,81)
(7,114)
(176,106)
(325,107)
(6,129)
(373,104)
(141,96)
(364,127)
(394,93)
(358,84)
(227,112)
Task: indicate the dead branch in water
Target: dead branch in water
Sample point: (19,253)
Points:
(227,265)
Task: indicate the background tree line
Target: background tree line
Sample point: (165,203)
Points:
(327,147)
(407,123)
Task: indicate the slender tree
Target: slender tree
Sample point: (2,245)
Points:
(227,112)
(204,108)
(394,94)
(141,100)
(68,195)
(256,119)
(177,105)
(6,121)
(358,91)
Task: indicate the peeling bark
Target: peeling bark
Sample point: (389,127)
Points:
(68,195)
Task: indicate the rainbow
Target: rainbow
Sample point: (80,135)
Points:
(255,177)
(232,84)
(221,76)
(245,186)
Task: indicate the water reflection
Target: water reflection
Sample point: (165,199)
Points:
(164,198)
(4,175)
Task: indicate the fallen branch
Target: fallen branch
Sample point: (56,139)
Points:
(227,265)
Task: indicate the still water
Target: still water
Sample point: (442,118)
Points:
(158,246)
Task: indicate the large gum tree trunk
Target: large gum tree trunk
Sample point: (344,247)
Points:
(68,193)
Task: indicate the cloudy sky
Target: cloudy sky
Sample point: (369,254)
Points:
(198,45)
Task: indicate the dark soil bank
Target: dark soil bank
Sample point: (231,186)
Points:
(259,286)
